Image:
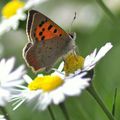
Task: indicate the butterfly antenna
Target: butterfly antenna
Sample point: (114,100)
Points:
(73,21)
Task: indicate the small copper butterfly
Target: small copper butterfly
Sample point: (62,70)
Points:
(47,41)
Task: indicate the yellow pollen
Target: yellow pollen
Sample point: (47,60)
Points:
(73,62)
(46,83)
(11,8)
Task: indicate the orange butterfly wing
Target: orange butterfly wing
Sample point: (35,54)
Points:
(41,27)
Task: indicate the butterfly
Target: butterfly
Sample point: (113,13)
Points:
(47,42)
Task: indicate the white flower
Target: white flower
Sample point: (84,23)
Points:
(91,60)
(9,77)
(13,21)
(74,62)
(59,86)
(32,3)
(2,117)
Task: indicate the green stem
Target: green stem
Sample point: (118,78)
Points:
(51,113)
(107,11)
(94,94)
(4,112)
(114,103)
(64,110)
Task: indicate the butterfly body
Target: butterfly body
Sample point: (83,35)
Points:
(47,42)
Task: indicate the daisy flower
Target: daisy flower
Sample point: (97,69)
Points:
(9,77)
(50,89)
(74,62)
(2,117)
(13,12)
(54,88)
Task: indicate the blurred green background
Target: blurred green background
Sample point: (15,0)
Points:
(94,28)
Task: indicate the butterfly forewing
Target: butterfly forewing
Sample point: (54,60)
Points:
(29,22)
(43,28)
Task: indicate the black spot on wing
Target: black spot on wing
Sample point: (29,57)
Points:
(60,35)
(55,31)
(40,33)
(43,29)
(49,27)
(43,38)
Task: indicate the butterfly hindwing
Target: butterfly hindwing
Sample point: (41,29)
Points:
(44,54)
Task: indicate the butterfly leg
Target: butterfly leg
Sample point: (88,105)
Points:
(75,56)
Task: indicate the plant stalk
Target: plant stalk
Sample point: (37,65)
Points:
(64,110)
(95,95)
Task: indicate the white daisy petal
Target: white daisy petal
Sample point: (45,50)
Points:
(90,58)
(101,53)
(9,65)
(2,117)
(93,58)
(7,81)
(61,66)
(12,83)
(45,99)
(75,85)
(21,102)
(40,75)
(27,79)
(4,96)
(57,96)
(17,73)
(2,64)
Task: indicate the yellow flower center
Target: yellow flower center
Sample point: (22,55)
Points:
(46,83)
(11,8)
(73,62)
